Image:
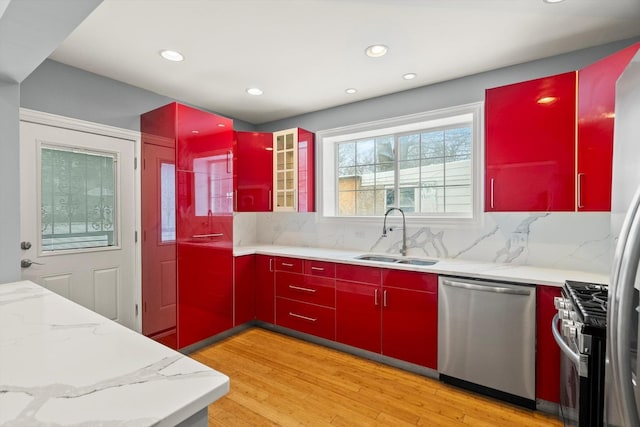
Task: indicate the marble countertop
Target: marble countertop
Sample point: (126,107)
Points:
(62,364)
(473,269)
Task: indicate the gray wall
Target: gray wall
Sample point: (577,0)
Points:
(446,94)
(67,91)
(9,189)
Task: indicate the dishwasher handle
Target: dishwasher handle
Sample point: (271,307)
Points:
(486,288)
(572,355)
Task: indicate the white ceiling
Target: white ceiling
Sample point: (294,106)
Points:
(304,53)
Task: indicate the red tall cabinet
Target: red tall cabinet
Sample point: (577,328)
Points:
(530,145)
(596,105)
(204,194)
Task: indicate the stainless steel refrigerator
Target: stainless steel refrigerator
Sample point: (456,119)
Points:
(622,400)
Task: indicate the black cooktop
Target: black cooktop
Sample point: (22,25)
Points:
(590,302)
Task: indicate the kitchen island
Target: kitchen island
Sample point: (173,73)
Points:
(62,364)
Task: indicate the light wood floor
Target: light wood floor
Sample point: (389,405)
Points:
(281,381)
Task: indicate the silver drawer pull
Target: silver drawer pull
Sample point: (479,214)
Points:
(300,316)
(204,236)
(317,268)
(298,288)
(286,264)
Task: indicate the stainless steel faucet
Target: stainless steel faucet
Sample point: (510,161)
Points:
(403,251)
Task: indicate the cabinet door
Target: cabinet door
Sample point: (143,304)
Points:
(410,317)
(548,352)
(530,145)
(285,170)
(596,106)
(265,289)
(254,172)
(306,173)
(308,318)
(358,309)
(243,289)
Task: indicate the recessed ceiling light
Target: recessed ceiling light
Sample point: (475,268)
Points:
(171,55)
(552,1)
(409,76)
(351,91)
(376,50)
(254,91)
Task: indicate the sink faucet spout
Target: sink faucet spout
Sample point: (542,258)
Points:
(403,251)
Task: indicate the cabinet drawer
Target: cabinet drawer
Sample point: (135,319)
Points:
(293,265)
(312,289)
(320,268)
(413,280)
(358,273)
(307,318)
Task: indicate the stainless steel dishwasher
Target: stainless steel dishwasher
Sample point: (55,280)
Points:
(487,338)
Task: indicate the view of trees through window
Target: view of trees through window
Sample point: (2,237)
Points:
(422,172)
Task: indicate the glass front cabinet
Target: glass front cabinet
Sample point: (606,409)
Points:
(293,169)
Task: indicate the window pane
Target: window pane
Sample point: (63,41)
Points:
(432,200)
(409,174)
(458,199)
(409,146)
(432,172)
(384,150)
(78,199)
(458,142)
(365,203)
(432,144)
(347,203)
(365,152)
(167,202)
(346,154)
(458,171)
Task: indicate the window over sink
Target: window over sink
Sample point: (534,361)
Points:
(428,164)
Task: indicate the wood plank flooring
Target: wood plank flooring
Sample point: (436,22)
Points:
(277,380)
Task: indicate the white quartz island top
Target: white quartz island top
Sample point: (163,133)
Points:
(62,364)
(454,267)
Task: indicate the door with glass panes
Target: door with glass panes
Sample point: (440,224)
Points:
(77,217)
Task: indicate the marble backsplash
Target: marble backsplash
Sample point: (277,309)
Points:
(566,240)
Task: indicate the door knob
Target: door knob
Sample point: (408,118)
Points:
(26,263)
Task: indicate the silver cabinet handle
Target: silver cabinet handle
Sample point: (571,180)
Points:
(384,298)
(204,236)
(317,268)
(300,316)
(235,200)
(299,288)
(270,200)
(486,288)
(492,185)
(229,157)
(579,190)
(271,265)
(286,264)
(375,297)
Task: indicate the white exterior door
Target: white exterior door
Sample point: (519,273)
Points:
(78,217)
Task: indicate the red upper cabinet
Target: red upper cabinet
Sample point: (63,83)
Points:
(293,171)
(254,183)
(596,104)
(530,145)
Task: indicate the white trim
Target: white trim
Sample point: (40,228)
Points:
(39,117)
(325,163)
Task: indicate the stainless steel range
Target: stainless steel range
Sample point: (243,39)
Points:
(579,328)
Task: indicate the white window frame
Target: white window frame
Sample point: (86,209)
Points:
(326,199)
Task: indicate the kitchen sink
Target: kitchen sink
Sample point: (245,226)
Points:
(414,261)
(396,260)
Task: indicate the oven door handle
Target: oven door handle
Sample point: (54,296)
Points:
(574,356)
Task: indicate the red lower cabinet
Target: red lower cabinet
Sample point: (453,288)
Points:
(243,289)
(547,352)
(392,312)
(358,321)
(265,298)
(410,316)
(308,318)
